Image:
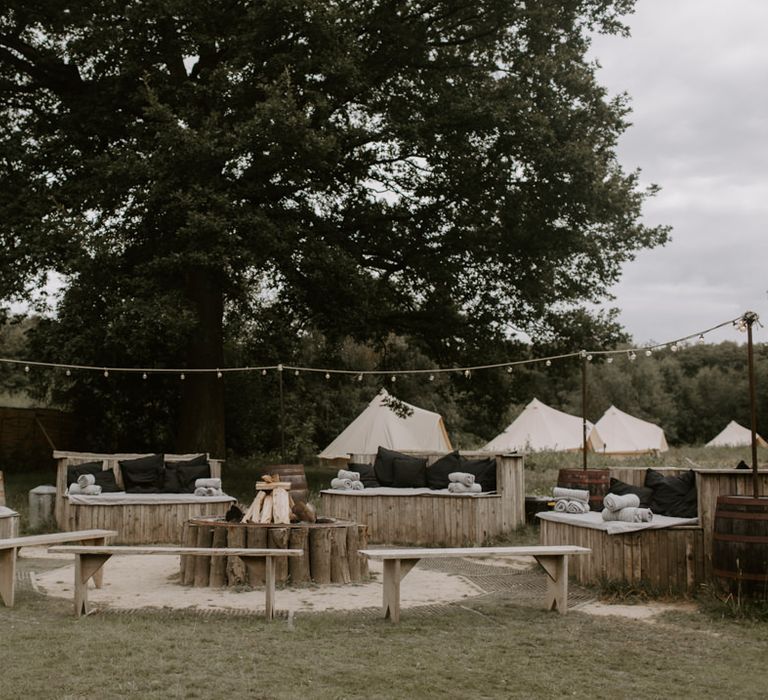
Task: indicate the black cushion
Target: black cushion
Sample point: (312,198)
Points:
(143,475)
(620,488)
(76,470)
(366,472)
(438,471)
(384,465)
(483,469)
(106,479)
(409,473)
(674,496)
(180,476)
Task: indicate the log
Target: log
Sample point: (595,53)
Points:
(266,510)
(254,511)
(353,545)
(187,563)
(339,561)
(277,538)
(219,564)
(256,538)
(236,573)
(320,554)
(362,541)
(298,567)
(203,564)
(281,508)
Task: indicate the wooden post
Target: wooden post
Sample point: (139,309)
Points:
(584,407)
(298,567)
(277,538)
(320,554)
(362,539)
(188,563)
(282,413)
(339,561)
(256,538)
(236,573)
(218,577)
(353,554)
(749,318)
(203,564)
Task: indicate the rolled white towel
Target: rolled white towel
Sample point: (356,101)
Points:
(92,490)
(344,474)
(571,494)
(358,485)
(561,506)
(85,480)
(341,484)
(461,478)
(201,491)
(459,487)
(209,483)
(576,507)
(74,490)
(629,515)
(613,501)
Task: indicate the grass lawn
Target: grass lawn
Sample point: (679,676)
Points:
(487,648)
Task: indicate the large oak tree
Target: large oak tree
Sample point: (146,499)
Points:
(438,168)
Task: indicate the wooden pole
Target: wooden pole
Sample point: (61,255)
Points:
(282,413)
(584,406)
(750,317)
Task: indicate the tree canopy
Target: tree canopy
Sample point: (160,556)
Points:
(442,170)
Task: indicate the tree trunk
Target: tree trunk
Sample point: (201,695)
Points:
(201,414)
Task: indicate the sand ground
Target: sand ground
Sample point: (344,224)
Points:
(136,582)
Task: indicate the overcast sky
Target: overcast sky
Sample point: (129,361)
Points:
(697,75)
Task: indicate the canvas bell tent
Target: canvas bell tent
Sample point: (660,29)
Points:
(540,427)
(379,425)
(734,435)
(626,435)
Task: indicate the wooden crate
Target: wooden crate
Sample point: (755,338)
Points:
(437,519)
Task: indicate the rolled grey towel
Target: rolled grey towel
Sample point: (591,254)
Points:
(570,494)
(561,506)
(576,507)
(461,478)
(92,490)
(344,474)
(341,484)
(629,515)
(358,485)
(85,480)
(613,501)
(209,483)
(459,487)
(201,491)
(74,490)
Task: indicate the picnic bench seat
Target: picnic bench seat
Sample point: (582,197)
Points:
(9,549)
(90,559)
(398,562)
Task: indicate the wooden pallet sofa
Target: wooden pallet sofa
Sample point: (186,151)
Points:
(427,517)
(671,560)
(139,518)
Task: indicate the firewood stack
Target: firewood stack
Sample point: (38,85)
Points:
(272,504)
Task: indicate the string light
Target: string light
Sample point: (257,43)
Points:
(431,377)
(296,373)
(741,323)
(327,375)
(182,376)
(609,360)
(589,358)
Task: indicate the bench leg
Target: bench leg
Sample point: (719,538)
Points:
(556,567)
(98,577)
(395,571)
(86,565)
(269,585)
(8,575)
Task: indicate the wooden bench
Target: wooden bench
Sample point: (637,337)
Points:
(9,549)
(398,562)
(90,559)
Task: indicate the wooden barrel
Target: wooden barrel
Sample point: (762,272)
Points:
(596,481)
(740,545)
(295,474)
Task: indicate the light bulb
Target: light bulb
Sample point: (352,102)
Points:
(549,363)
(26,369)
(219,375)
(701,339)
(431,377)
(609,360)
(589,358)
(509,370)
(673,347)
(394,378)
(327,375)
(632,356)
(182,376)
(144,375)
(466,373)
(360,377)
(106,373)
(263,372)
(648,353)
(296,373)
(69,373)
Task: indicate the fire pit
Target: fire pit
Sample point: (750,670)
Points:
(331,552)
